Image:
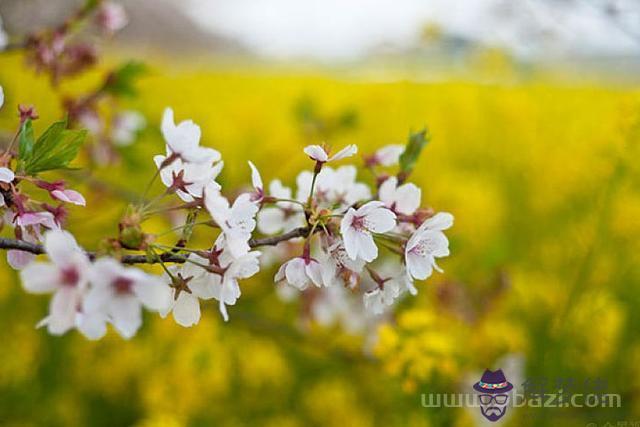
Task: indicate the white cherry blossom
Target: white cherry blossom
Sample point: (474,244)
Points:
(334,305)
(344,188)
(320,154)
(66,277)
(357,225)
(93,325)
(385,285)
(120,293)
(185,303)
(241,267)
(206,285)
(183,140)
(377,300)
(323,186)
(188,179)
(283,216)
(126,126)
(426,244)
(337,268)
(404,199)
(300,272)
(388,155)
(237,222)
(333,186)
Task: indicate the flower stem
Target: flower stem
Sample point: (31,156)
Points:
(289,201)
(316,172)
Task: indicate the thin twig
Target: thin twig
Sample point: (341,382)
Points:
(37,249)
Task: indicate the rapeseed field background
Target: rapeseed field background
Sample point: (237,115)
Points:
(541,174)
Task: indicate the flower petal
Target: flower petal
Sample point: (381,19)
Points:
(347,151)
(367,249)
(276,189)
(418,267)
(69,196)
(368,207)
(256,179)
(387,191)
(6,175)
(389,155)
(153,293)
(270,220)
(186,311)
(62,310)
(381,220)
(92,325)
(61,247)
(126,316)
(407,198)
(316,152)
(295,273)
(314,272)
(19,259)
(39,278)
(440,221)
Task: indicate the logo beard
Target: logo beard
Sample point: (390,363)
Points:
(493,413)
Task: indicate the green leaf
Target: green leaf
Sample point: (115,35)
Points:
(55,148)
(417,141)
(122,81)
(27,140)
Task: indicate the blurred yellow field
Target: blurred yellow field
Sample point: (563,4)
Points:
(541,176)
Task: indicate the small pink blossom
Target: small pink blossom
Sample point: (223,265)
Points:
(69,196)
(19,259)
(46,219)
(111,17)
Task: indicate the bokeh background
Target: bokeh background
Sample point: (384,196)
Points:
(534,112)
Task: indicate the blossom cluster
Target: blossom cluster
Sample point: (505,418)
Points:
(334,233)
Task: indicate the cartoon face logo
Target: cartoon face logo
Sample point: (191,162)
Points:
(494,398)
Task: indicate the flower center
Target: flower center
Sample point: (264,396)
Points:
(70,276)
(360,223)
(123,285)
(424,248)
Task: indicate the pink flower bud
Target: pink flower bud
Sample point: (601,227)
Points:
(69,196)
(111,17)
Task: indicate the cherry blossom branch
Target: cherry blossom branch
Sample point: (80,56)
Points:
(272,241)
(171,256)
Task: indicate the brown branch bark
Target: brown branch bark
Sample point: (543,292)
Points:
(37,249)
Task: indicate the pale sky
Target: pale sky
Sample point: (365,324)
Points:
(347,29)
